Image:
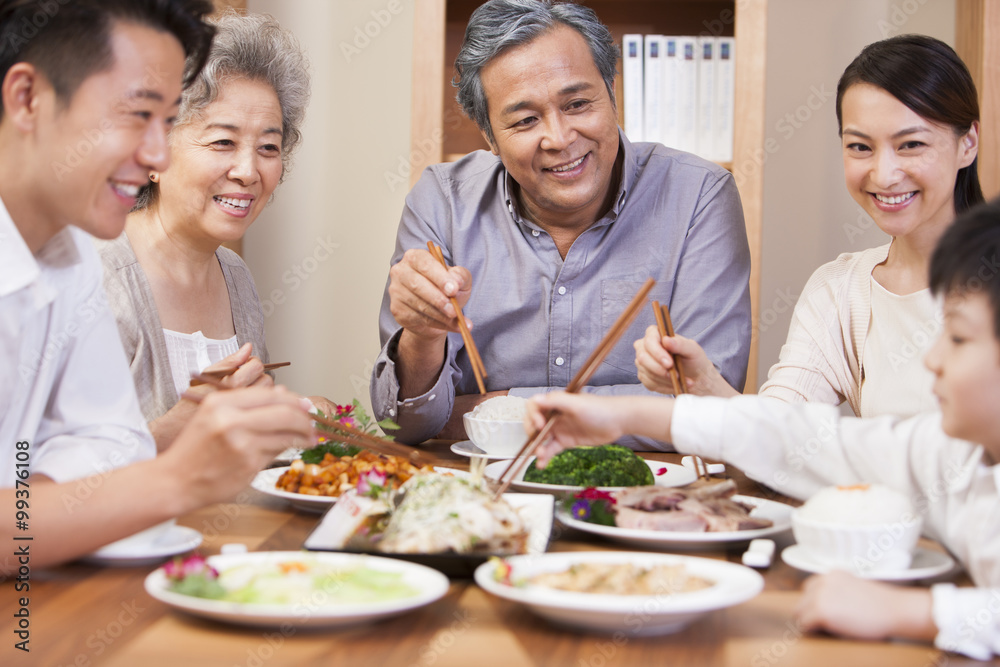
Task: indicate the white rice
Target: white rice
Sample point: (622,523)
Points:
(863,504)
(501,408)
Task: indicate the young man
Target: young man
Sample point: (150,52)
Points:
(798,449)
(551,232)
(89,91)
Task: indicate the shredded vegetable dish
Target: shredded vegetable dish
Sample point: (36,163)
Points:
(622,579)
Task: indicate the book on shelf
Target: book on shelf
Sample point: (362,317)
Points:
(680,91)
(632,87)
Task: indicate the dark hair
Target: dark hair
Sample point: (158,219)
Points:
(927,76)
(498,25)
(967,258)
(70,40)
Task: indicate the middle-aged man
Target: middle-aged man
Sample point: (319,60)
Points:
(552,234)
(89,91)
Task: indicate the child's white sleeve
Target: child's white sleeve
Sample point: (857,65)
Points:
(968,620)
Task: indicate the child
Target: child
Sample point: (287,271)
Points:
(799,449)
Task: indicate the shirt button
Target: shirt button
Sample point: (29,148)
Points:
(392,413)
(560,361)
(535,232)
(432,397)
(562,289)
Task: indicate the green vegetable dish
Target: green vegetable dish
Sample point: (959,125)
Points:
(607,465)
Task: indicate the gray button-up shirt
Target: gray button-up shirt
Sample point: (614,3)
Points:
(676,218)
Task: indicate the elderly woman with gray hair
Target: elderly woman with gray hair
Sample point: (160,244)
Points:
(182,301)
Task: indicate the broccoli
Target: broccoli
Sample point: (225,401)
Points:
(607,465)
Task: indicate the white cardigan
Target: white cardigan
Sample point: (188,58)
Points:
(822,359)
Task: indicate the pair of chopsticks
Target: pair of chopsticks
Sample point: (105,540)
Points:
(578,382)
(470,345)
(348,434)
(666,328)
(224,372)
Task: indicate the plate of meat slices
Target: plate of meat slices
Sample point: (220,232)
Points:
(654,516)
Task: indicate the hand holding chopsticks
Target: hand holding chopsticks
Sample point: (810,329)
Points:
(470,345)
(220,373)
(579,380)
(343,432)
(666,328)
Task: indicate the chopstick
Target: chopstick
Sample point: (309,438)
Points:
(478,369)
(578,382)
(224,372)
(349,434)
(667,329)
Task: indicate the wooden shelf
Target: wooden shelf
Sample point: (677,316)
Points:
(441,132)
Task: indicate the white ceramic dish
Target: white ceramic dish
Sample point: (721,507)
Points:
(430,584)
(925,564)
(502,438)
(265,481)
(779,513)
(330,535)
(664,474)
(173,541)
(468,448)
(634,615)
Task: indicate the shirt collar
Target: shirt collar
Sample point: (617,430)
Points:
(629,172)
(19,268)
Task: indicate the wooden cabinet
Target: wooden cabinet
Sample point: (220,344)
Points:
(440,132)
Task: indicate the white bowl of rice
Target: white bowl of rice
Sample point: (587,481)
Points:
(865,528)
(497,425)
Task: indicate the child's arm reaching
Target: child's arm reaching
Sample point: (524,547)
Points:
(584,419)
(843,604)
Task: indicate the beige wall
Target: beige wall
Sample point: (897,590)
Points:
(809,218)
(322,248)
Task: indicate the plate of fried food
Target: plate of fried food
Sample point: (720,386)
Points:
(654,517)
(637,594)
(315,481)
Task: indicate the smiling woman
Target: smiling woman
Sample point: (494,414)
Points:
(182,301)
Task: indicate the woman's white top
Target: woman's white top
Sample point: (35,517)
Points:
(193,353)
(902,329)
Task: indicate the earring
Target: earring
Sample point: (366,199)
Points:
(154,177)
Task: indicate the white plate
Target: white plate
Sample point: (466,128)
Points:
(175,540)
(674,475)
(926,563)
(430,584)
(634,615)
(265,482)
(466,448)
(779,513)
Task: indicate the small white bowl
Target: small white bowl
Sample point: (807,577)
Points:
(861,549)
(500,438)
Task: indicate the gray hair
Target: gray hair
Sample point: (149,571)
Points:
(253,47)
(502,24)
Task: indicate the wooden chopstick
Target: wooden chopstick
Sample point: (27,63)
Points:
(579,381)
(662,317)
(347,433)
(478,369)
(224,372)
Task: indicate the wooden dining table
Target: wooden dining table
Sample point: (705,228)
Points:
(85,614)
